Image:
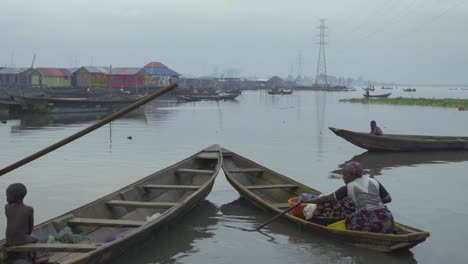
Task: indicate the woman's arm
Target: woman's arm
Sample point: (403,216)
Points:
(322,199)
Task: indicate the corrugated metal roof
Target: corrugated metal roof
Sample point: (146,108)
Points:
(125,71)
(161,71)
(56,72)
(93,69)
(155,64)
(9,70)
(72,70)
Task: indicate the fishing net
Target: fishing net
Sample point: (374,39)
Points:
(22,261)
(66,236)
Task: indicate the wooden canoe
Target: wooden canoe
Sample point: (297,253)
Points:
(119,221)
(395,142)
(73,104)
(269,190)
(377,95)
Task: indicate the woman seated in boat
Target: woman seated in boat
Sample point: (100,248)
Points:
(369,198)
(375,130)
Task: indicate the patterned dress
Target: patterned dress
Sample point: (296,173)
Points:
(370,213)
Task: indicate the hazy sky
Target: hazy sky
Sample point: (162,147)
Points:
(407,41)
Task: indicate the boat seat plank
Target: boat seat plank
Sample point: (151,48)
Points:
(55,247)
(270,186)
(208,155)
(138,204)
(195,171)
(246,170)
(170,187)
(105,222)
(281,205)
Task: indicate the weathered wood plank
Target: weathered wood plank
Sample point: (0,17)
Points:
(138,204)
(247,170)
(281,205)
(272,186)
(195,171)
(208,155)
(53,247)
(169,187)
(105,222)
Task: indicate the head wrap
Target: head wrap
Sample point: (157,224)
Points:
(353,168)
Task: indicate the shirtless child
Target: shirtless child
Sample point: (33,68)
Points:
(20,218)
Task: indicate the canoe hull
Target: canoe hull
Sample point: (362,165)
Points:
(181,185)
(393,142)
(72,105)
(377,95)
(373,241)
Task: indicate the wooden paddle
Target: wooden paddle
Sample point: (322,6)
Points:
(278,216)
(89,129)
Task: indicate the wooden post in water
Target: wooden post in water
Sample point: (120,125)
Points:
(87,130)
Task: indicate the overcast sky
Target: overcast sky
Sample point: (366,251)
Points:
(406,41)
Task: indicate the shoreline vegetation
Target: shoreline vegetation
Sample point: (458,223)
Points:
(454,103)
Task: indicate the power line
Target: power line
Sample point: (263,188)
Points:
(383,27)
(374,14)
(435,18)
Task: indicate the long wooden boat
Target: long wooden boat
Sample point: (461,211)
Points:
(270,191)
(395,142)
(213,97)
(124,219)
(377,95)
(73,105)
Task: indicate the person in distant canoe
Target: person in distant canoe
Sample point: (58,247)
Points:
(375,130)
(369,198)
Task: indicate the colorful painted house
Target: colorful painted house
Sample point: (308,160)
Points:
(91,77)
(12,77)
(159,74)
(51,77)
(127,78)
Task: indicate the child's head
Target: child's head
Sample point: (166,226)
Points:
(16,193)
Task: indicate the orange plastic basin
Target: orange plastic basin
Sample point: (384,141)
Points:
(298,211)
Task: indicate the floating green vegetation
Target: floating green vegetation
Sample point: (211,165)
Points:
(463,103)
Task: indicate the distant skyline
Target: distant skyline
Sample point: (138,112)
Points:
(411,42)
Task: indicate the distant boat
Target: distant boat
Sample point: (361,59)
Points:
(213,97)
(283,91)
(74,105)
(275,91)
(377,95)
(409,90)
(393,142)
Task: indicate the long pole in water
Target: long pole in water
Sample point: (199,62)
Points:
(87,130)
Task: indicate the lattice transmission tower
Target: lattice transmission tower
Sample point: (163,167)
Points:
(299,77)
(321,75)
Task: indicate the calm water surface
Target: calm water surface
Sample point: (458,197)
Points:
(288,134)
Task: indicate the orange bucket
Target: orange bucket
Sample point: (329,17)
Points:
(298,211)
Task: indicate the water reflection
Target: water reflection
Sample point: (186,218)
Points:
(303,245)
(375,162)
(177,241)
